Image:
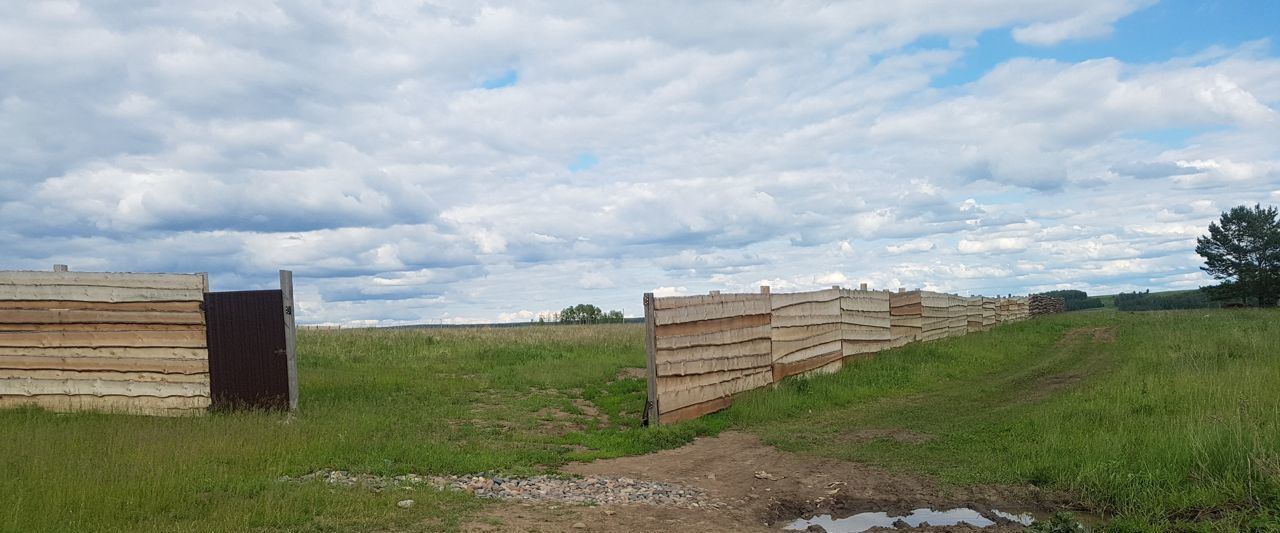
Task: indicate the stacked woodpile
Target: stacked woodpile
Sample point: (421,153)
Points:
(866,324)
(988,312)
(807,332)
(905,318)
(1046,305)
(706,349)
(104,341)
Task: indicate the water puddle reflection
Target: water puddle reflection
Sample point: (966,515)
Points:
(864,521)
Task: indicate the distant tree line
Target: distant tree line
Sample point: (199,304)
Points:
(1145,301)
(1076,300)
(587,314)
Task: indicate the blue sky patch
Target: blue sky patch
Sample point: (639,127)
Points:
(584,161)
(506,79)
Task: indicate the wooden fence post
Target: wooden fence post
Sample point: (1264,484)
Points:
(651,413)
(290,338)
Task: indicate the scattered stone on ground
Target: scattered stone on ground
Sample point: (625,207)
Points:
(404,504)
(593,490)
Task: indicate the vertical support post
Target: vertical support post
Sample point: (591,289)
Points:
(764,289)
(862,286)
(204,281)
(651,366)
(59,268)
(290,336)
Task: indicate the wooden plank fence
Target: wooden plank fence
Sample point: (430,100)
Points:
(141,343)
(104,341)
(703,350)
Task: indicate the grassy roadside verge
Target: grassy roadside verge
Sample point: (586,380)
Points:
(1170,420)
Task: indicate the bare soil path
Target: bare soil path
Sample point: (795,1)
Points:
(762,487)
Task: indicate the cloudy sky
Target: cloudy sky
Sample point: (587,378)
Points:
(426,162)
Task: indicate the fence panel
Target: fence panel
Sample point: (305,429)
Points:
(906,318)
(807,333)
(706,349)
(121,342)
(866,325)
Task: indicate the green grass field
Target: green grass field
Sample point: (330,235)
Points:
(1163,421)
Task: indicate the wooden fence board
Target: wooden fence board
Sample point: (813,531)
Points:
(90,339)
(73,387)
(676,398)
(141,405)
(107,352)
(141,377)
(719,364)
(124,280)
(119,364)
(712,326)
(718,338)
(170,307)
(710,311)
(82,293)
(57,316)
(694,411)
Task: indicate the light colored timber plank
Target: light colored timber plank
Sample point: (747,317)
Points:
(56,316)
(906,310)
(802,352)
(829,368)
(693,381)
(784,300)
(784,369)
(167,307)
(752,347)
(140,339)
(711,311)
(82,293)
(165,366)
(74,387)
(717,338)
(863,319)
(864,334)
(143,405)
(108,352)
(703,366)
(124,280)
(865,301)
(138,377)
(855,347)
(783,321)
(711,326)
(904,298)
(101,327)
(694,411)
(804,332)
(677,399)
(673,302)
(802,309)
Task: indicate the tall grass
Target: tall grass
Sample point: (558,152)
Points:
(1173,424)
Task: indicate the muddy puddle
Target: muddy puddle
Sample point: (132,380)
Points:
(951,517)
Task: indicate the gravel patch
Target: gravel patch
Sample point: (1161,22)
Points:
(594,490)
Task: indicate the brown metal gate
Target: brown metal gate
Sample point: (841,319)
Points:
(251,360)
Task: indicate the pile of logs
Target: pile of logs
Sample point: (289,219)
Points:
(1047,305)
